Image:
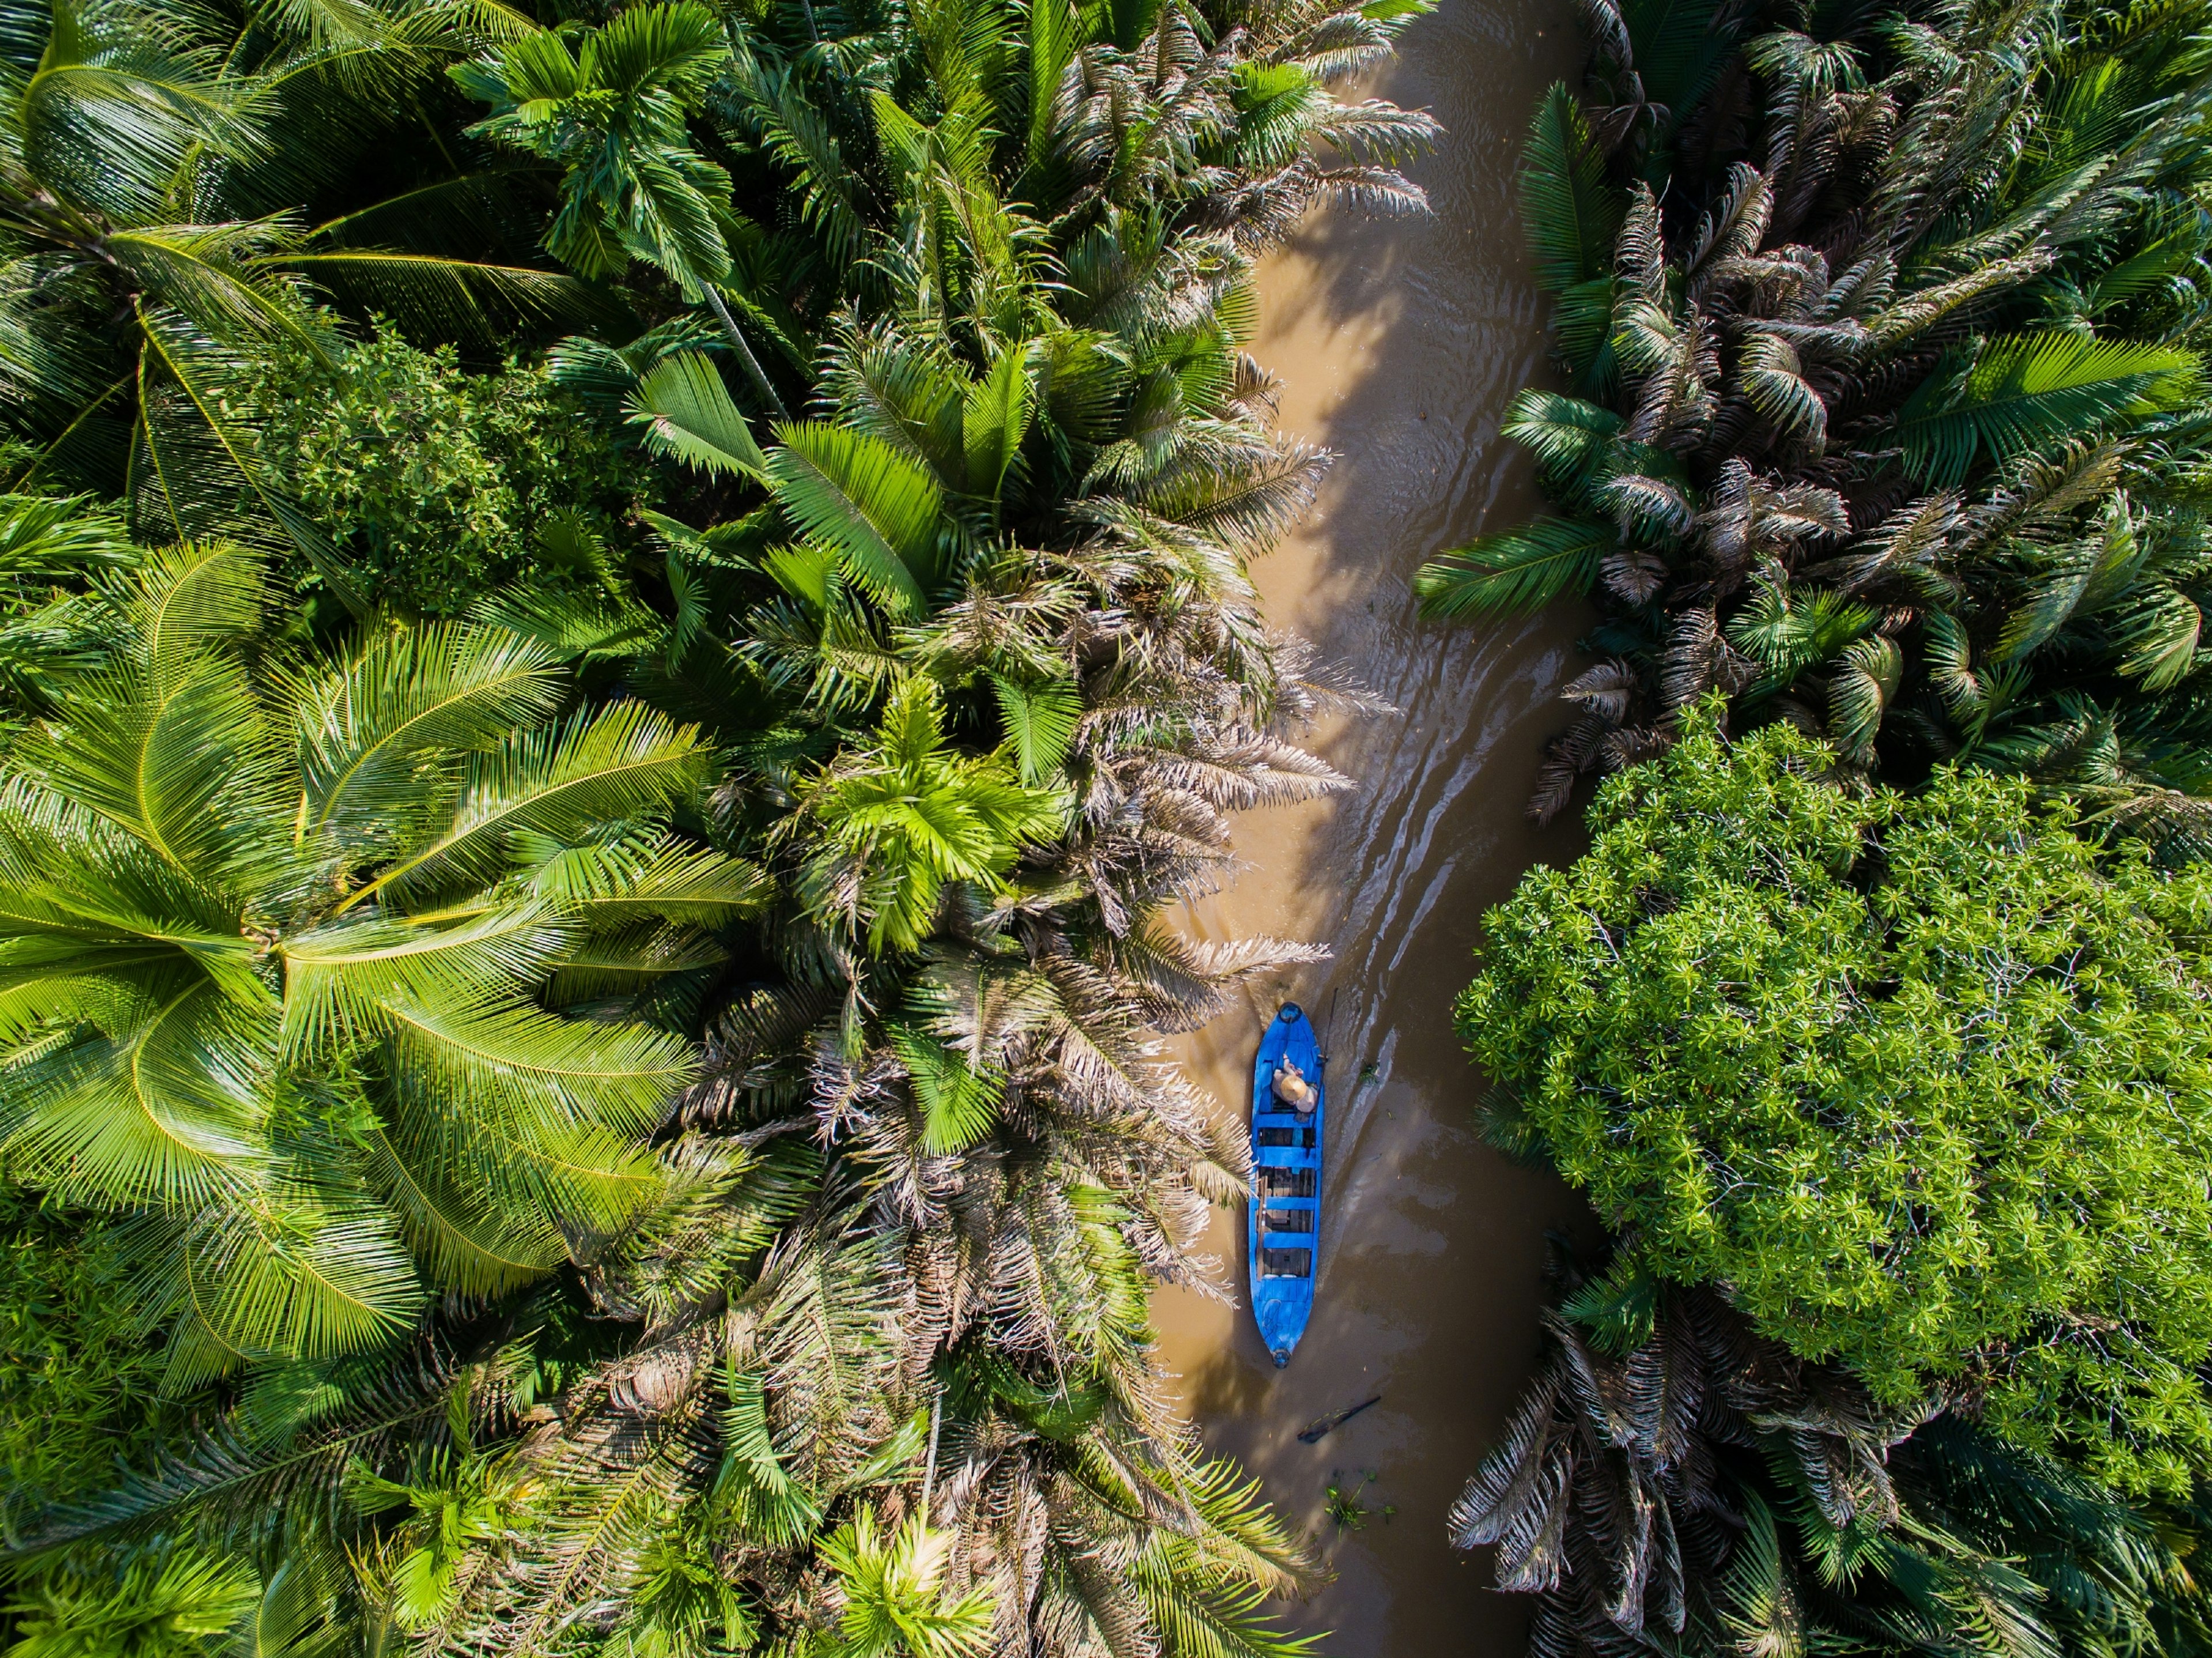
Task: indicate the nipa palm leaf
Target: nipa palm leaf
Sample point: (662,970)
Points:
(2027,392)
(1517,570)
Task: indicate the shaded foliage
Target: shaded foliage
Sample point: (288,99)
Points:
(1674,1479)
(1883,337)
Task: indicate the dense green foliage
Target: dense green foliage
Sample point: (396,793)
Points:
(1884,334)
(435,483)
(79,1381)
(1675,1477)
(321,1110)
(1921,1079)
(625,1107)
(1881,331)
(179,188)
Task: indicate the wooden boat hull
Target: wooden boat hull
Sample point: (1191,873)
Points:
(1282,1225)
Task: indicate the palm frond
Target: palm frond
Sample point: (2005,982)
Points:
(2029,391)
(1518,569)
(687,414)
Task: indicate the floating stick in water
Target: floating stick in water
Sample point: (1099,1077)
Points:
(1323,1425)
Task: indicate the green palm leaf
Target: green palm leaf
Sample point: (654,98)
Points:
(108,122)
(627,880)
(338,979)
(517,1064)
(959,1103)
(445,687)
(1519,569)
(466,1239)
(752,1485)
(228,1482)
(688,415)
(994,416)
(447,297)
(222,277)
(2030,390)
(1571,217)
(166,1102)
(1040,721)
(1570,438)
(675,43)
(190,595)
(312,1270)
(1863,686)
(1680,47)
(557,781)
(50,537)
(2160,631)
(184,763)
(1570,214)
(877,508)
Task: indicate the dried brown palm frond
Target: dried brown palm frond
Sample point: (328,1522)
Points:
(1731,233)
(1245,495)
(1566,758)
(1611,1494)
(1182,984)
(1305,684)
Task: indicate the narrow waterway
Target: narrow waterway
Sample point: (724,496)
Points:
(1401,343)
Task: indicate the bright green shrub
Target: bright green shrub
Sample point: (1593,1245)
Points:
(79,1377)
(439,484)
(1925,1085)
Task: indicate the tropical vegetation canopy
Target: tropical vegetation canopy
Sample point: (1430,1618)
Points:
(618,630)
(1872,1022)
(1675,1478)
(1921,1079)
(1884,397)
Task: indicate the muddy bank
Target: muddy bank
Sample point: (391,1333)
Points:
(1401,344)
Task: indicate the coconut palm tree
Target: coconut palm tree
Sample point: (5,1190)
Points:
(866,1359)
(286,942)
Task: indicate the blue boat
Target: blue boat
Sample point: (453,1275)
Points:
(1283,1218)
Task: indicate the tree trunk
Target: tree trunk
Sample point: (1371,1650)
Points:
(753,370)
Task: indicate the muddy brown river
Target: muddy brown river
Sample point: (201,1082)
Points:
(1399,344)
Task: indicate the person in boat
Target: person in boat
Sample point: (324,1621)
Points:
(1291,1087)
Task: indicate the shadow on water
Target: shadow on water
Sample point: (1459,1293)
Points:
(1399,344)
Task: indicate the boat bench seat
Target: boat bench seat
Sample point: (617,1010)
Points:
(1286,1263)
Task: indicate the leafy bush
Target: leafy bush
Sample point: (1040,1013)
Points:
(442,484)
(1922,1082)
(79,1378)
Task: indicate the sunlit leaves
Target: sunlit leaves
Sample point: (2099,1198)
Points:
(896,1598)
(213,1009)
(1518,569)
(687,414)
(903,818)
(1778,983)
(958,1097)
(874,507)
(2027,391)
